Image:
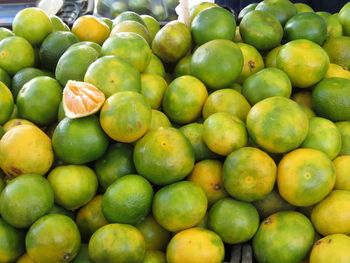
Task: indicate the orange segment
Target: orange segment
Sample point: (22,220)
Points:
(81,99)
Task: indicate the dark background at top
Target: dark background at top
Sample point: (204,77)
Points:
(331,6)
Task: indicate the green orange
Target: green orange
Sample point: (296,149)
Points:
(12,242)
(5,78)
(152,25)
(153,88)
(155,66)
(281,9)
(271,57)
(128,16)
(338,50)
(301,7)
(249,174)
(5,32)
(195,245)
(159,147)
(334,27)
(154,256)
(134,27)
(179,206)
(344,129)
(278,238)
(196,9)
(6,103)
(183,66)
(83,255)
(159,119)
(277,124)
(342,166)
(58,24)
(344,18)
(117,243)
(246,10)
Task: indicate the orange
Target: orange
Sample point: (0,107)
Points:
(303,98)
(338,50)
(153,88)
(271,57)
(336,71)
(58,24)
(342,168)
(184,99)
(305,177)
(12,242)
(305,62)
(126,116)
(73,185)
(81,99)
(283,10)
(155,66)
(195,245)
(183,66)
(25,258)
(83,255)
(234,221)
(6,103)
(152,25)
(301,7)
(4,33)
(159,119)
(156,237)
(89,218)
(91,28)
(246,10)
(196,9)
(224,133)
(208,175)
(134,27)
(154,256)
(179,206)
(53,238)
(344,18)
(344,129)
(117,243)
(249,174)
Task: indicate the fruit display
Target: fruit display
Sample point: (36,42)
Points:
(127,141)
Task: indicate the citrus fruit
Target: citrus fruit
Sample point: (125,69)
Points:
(252,61)
(271,57)
(179,206)
(127,200)
(83,255)
(25,199)
(79,141)
(261,30)
(331,99)
(128,16)
(331,215)
(73,185)
(271,204)
(172,42)
(226,100)
(81,99)
(234,221)
(336,71)
(153,88)
(129,46)
(25,149)
(266,83)
(324,136)
(195,245)
(184,99)
(38,100)
(303,98)
(134,27)
(152,25)
(155,66)
(58,24)
(116,162)
(33,24)
(90,217)
(217,63)
(16,53)
(6,103)
(94,45)
(25,258)
(302,7)
(311,68)
(12,242)
(277,124)
(5,32)
(246,10)
(53,238)
(156,237)
(61,211)
(213,23)
(111,74)
(249,174)
(342,165)
(208,175)
(344,18)
(308,26)
(344,129)
(196,9)
(285,236)
(159,119)
(305,177)
(117,243)
(5,78)
(334,27)
(183,66)
(331,249)
(194,133)
(154,256)
(53,47)
(224,133)
(90,28)
(159,147)
(281,9)
(338,50)
(126,116)
(73,64)
(2,132)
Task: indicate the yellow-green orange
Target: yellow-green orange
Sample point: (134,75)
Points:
(134,27)
(159,147)
(283,10)
(344,129)
(344,15)
(5,32)
(196,9)
(249,174)
(305,177)
(277,124)
(305,62)
(155,66)
(6,103)
(25,149)
(246,10)
(184,99)
(331,215)
(58,24)
(179,206)
(25,258)
(338,50)
(117,243)
(159,119)
(12,242)
(334,27)
(195,245)
(271,57)
(342,168)
(303,98)
(183,66)
(301,7)
(152,25)
(5,78)
(153,88)
(15,122)
(336,71)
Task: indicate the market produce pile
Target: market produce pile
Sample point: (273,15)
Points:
(125,142)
